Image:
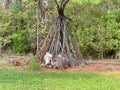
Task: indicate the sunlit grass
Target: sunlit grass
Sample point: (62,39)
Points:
(40,80)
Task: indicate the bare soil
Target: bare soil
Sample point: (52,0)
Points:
(91,67)
(87,68)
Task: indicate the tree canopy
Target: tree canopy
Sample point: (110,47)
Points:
(96,24)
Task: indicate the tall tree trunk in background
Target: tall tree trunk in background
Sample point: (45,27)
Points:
(37,26)
(0,44)
(2,4)
(39,19)
(107,5)
(7,4)
(37,29)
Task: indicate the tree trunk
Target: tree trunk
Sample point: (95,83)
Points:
(7,4)
(46,45)
(57,42)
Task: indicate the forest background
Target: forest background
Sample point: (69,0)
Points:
(96,24)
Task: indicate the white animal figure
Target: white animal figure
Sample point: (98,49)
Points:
(47,58)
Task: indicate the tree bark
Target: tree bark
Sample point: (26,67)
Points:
(58,43)
(7,4)
(46,45)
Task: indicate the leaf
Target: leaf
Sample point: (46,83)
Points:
(80,1)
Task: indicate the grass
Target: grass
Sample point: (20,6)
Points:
(40,80)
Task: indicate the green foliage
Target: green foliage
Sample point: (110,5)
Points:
(80,1)
(15,7)
(97,29)
(17,27)
(33,64)
(20,43)
(96,24)
(118,54)
(114,30)
(5,32)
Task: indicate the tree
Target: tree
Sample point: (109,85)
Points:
(90,22)
(61,42)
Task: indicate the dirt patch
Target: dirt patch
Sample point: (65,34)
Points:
(87,68)
(95,68)
(91,67)
(107,60)
(12,60)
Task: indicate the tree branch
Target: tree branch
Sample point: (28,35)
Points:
(65,3)
(57,4)
(62,3)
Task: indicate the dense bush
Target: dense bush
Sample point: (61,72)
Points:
(17,28)
(33,64)
(97,28)
(20,43)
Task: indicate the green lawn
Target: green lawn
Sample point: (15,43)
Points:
(39,80)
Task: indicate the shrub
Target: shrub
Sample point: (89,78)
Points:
(33,64)
(20,43)
(118,54)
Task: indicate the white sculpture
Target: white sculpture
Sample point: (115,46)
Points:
(47,59)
